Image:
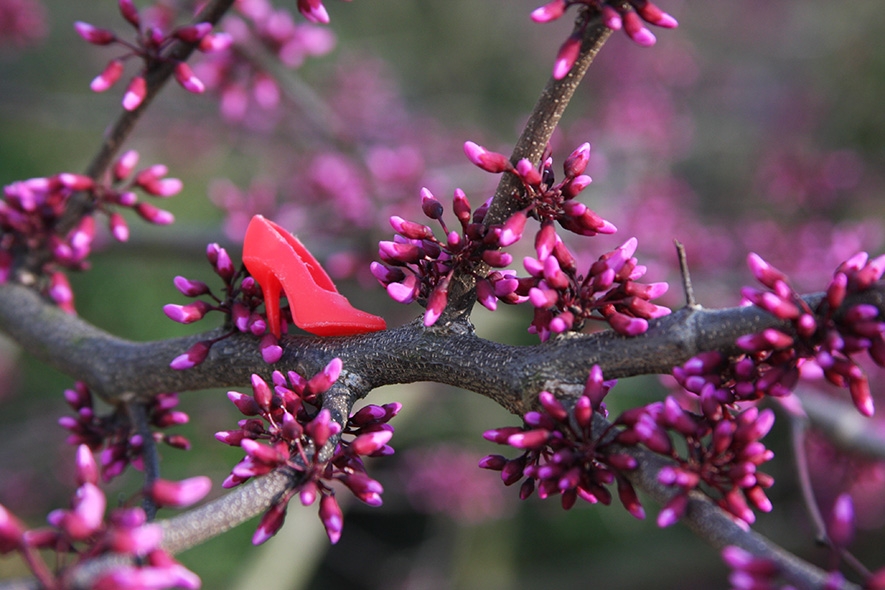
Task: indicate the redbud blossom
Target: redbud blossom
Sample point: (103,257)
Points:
(108,77)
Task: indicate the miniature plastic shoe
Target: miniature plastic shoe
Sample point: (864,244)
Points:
(279,262)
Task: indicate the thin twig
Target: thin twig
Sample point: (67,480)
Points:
(687,287)
(149,455)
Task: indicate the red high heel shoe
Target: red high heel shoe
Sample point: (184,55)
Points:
(278,261)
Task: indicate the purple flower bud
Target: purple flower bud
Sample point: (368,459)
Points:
(550,11)
(493,462)
(190,288)
(512,230)
(332,517)
(577,161)
(859,387)
(187,314)
(512,471)
(500,435)
(530,439)
(497,258)
(153,214)
(192,33)
(410,229)
(673,510)
(528,173)
(135,540)
(179,494)
(566,56)
(629,499)
(461,206)
(129,12)
(270,349)
(135,93)
(93,34)
(315,12)
(430,205)
(366,444)
(87,470)
(487,160)
(271,522)
(637,31)
(654,15)
(553,406)
(195,355)
(323,380)
(436,303)
(322,427)
(87,514)
(626,325)
(11,531)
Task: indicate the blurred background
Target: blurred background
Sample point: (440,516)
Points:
(754,126)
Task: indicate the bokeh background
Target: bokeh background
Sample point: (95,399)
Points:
(754,126)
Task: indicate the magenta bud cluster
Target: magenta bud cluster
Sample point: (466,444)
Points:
(563,455)
(720,456)
(564,299)
(32,210)
(825,337)
(84,531)
(616,15)
(152,46)
(240,299)
(113,435)
(418,266)
(285,426)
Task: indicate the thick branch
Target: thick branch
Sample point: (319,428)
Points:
(510,375)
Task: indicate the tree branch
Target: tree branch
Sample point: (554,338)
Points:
(510,375)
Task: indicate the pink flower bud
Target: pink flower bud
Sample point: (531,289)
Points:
(332,517)
(108,77)
(118,226)
(135,93)
(531,439)
(87,469)
(11,531)
(430,205)
(512,230)
(271,522)
(654,15)
(673,511)
(550,11)
(577,161)
(246,404)
(410,229)
(179,494)
(637,31)
(129,12)
(323,380)
(487,160)
(366,444)
(192,33)
(186,78)
(195,355)
(566,57)
(315,12)
(60,291)
(186,314)
(437,302)
(154,214)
